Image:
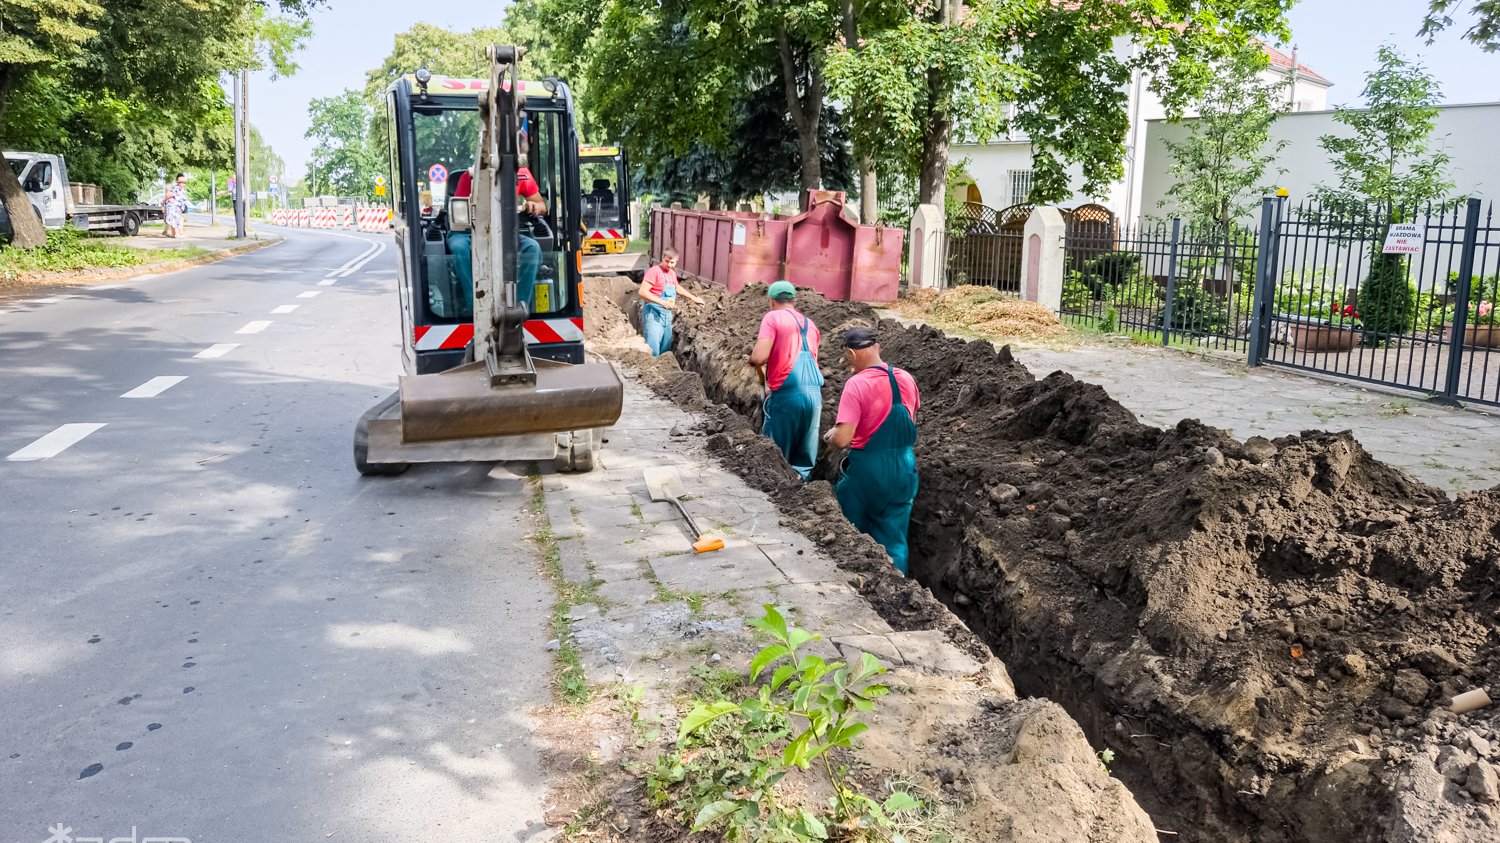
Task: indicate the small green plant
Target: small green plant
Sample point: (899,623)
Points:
(1106,758)
(731,755)
(1076,293)
(1111,321)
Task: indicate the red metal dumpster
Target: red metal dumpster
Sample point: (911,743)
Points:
(819,248)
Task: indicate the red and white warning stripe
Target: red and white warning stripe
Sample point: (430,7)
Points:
(537,331)
(606,234)
(553,330)
(302,218)
(372,219)
(436,337)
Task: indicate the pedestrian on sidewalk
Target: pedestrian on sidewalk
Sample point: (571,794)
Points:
(174,205)
(787,349)
(659,289)
(877,421)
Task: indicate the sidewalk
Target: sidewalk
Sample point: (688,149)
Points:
(649,614)
(196,234)
(1453,449)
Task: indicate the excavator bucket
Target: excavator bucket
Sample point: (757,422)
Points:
(461,404)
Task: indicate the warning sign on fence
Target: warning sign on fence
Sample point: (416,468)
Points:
(1404,238)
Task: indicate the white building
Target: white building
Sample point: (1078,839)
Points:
(1466,132)
(1001,169)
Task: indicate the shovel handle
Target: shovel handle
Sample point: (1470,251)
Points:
(692,525)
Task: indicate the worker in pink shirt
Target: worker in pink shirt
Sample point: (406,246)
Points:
(659,289)
(877,422)
(788,347)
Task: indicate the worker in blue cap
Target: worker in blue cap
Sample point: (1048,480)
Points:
(787,349)
(877,421)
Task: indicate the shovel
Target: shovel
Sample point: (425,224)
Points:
(758,417)
(665,484)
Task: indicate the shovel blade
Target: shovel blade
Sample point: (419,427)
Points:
(663,483)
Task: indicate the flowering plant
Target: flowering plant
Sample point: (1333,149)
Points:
(1344,316)
(1483,313)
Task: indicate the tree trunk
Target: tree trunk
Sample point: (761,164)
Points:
(869,197)
(26,226)
(933,176)
(869,204)
(806,110)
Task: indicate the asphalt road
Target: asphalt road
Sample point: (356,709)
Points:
(211,628)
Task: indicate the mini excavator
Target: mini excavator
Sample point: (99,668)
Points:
(491,300)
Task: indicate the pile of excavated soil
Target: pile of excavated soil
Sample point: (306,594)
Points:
(982,310)
(1267,633)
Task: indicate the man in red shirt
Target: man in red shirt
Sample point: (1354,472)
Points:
(528,257)
(788,346)
(877,422)
(659,289)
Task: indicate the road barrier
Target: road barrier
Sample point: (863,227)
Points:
(368,218)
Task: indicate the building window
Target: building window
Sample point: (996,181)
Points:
(1020,186)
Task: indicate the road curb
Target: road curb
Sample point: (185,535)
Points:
(86,277)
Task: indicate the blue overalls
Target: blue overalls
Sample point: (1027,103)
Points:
(656,322)
(880,480)
(793,409)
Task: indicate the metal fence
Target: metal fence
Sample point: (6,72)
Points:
(1314,288)
(983,246)
(1337,302)
(1166,281)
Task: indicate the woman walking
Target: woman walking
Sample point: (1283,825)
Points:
(174,205)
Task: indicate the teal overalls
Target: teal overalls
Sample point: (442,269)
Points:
(880,480)
(793,409)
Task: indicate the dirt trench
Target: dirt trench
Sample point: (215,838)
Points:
(1265,632)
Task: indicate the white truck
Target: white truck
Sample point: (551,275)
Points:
(44,177)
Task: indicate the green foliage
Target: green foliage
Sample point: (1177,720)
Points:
(1196,311)
(1484,31)
(1387,301)
(67,249)
(1077,293)
(1218,169)
(344,159)
(1388,162)
(730,755)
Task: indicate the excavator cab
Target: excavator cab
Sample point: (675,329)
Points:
(490,296)
(605,177)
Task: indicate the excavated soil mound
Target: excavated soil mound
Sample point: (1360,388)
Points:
(1267,633)
(982,310)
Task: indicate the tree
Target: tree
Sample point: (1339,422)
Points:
(101,51)
(1218,170)
(343,156)
(1389,161)
(1052,70)
(1387,169)
(1485,31)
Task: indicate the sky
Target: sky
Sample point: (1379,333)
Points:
(1336,38)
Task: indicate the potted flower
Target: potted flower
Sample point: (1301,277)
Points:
(1339,331)
(1481,331)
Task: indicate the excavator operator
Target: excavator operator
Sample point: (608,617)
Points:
(528,258)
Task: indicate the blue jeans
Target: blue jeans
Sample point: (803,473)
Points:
(461,264)
(656,327)
(528,262)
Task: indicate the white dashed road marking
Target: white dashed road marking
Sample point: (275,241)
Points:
(155,386)
(214,352)
(328,282)
(54,443)
(255,327)
(284,309)
(310,294)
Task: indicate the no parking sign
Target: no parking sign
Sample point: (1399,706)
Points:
(437,173)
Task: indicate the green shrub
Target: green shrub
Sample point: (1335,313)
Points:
(1387,301)
(1196,311)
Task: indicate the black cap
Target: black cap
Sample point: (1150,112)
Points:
(857,338)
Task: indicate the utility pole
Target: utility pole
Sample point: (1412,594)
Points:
(213,198)
(241,151)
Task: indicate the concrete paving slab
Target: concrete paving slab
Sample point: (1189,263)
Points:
(879,646)
(930,650)
(730,569)
(802,564)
